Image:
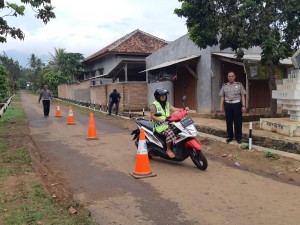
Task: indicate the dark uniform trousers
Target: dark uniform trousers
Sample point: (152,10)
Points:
(233,113)
(111,105)
(46,105)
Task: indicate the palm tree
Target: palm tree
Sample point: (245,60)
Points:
(57,61)
(66,63)
(36,66)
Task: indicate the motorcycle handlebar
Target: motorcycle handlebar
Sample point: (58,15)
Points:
(170,117)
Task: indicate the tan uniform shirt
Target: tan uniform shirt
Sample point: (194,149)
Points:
(232,92)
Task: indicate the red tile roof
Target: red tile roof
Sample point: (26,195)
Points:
(136,42)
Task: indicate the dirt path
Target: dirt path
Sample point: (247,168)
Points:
(96,172)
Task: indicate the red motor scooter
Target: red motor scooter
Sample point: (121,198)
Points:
(186,144)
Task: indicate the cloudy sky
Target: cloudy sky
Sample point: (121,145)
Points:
(87,26)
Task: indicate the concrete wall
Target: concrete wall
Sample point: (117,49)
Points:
(204,83)
(216,83)
(109,62)
(183,47)
(165,84)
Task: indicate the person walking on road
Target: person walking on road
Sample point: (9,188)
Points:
(114,98)
(46,95)
(233,103)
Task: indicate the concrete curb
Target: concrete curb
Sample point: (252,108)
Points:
(90,108)
(290,146)
(254,147)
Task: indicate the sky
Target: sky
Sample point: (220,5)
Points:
(88,26)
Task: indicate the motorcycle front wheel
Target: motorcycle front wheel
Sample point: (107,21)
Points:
(198,159)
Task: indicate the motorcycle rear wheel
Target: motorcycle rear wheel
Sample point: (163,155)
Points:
(198,159)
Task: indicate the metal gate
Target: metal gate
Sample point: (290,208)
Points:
(259,94)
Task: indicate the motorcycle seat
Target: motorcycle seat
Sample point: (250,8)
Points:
(146,123)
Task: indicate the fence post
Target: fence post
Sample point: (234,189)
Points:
(250,135)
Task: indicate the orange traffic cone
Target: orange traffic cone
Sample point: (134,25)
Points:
(71,117)
(58,111)
(92,129)
(142,166)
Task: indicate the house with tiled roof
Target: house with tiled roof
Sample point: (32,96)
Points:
(122,60)
(116,66)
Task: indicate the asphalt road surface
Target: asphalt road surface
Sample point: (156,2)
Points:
(97,173)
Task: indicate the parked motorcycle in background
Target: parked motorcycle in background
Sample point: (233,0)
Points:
(186,144)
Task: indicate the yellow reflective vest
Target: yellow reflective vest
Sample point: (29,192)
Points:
(158,126)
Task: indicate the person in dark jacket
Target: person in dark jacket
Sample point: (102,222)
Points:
(114,98)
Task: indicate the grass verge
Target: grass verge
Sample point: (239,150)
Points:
(23,199)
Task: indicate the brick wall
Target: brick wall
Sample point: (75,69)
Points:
(79,91)
(133,94)
(98,95)
(62,91)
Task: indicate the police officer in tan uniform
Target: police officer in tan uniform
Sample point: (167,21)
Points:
(233,103)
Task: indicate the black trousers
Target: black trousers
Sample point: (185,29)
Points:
(234,116)
(46,105)
(111,105)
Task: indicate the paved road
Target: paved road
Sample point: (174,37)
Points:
(97,173)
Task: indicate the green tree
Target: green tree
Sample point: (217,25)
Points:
(273,25)
(56,62)
(63,67)
(72,65)
(3,84)
(36,67)
(67,63)
(11,65)
(53,79)
(26,74)
(43,9)
(22,83)
(14,71)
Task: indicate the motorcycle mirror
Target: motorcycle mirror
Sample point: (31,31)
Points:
(158,114)
(183,100)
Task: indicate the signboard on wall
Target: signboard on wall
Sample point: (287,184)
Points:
(259,72)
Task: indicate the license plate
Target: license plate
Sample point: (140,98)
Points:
(186,122)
